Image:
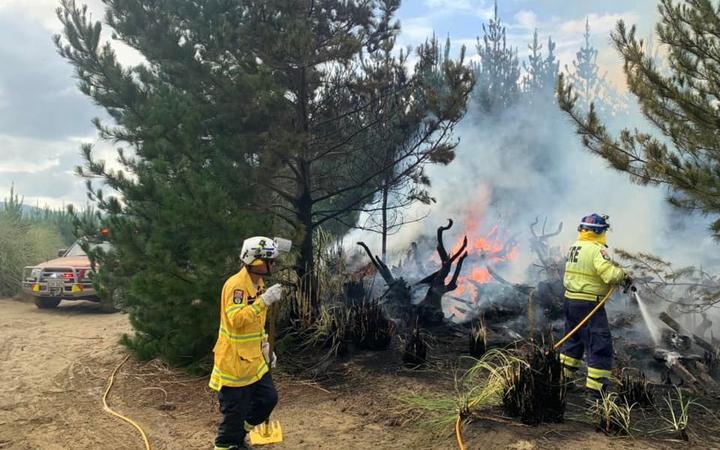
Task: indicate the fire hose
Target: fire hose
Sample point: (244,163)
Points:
(591,314)
(458,432)
(587,318)
(601,303)
(118,415)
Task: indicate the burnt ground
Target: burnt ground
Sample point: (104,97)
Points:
(54,366)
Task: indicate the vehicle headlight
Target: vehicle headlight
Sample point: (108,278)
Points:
(35,273)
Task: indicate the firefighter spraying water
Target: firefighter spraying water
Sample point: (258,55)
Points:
(590,277)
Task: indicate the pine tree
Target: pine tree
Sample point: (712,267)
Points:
(190,116)
(400,116)
(680,101)
(324,56)
(541,72)
(246,117)
(590,86)
(497,74)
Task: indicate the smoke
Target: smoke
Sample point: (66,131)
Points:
(527,162)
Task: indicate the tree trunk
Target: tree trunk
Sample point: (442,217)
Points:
(305,268)
(385,195)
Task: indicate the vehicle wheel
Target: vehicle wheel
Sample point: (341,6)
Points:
(108,307)
(47,302)
(110,303)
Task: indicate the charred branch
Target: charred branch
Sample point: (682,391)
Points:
(700,342)
(381,267)
(539,245)
(436,281)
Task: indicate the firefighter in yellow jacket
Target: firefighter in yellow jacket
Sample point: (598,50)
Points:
(241,367)
(589,273)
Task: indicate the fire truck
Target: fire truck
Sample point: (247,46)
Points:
(67,277)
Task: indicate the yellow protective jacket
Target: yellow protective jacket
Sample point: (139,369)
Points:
(588,269)
(239,359)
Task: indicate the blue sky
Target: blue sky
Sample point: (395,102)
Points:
(44,118)
(564,21)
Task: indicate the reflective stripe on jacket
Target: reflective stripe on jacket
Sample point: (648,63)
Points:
(239,360)
(589,271)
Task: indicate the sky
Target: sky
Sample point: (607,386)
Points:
(44,118)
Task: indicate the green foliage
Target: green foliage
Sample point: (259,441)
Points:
(678,420)
(613,417)
(182,202)
(497,73)
(245,118)
(541,71)
(354,117)
(679,100)
(61,220)
(24,240)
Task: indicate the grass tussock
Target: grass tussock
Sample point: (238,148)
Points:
(478,339)
(678,417)
(635,390)
(613,416)
(415,348)
(480,387)
(535,392)
(527,385)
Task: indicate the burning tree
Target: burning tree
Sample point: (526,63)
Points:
(343,92)
(429,310)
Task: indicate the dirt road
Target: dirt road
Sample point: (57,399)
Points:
(52,371)
(54,367)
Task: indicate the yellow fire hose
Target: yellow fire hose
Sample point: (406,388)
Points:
(458,433)
(120,416)
(587,318)
(601,303)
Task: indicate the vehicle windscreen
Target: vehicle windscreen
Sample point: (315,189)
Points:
(76,249)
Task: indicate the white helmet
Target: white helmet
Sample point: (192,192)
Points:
(256,250)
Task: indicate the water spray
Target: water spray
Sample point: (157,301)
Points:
(651,326)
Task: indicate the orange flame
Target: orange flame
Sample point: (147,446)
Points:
(484,249)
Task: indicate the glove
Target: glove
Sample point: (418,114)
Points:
(272,362)
(272,294)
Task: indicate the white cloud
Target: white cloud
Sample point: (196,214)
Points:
(483,9)
(599,24)
(42,11)
(415,31)
(460,5)
(526,19)
(23,154)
